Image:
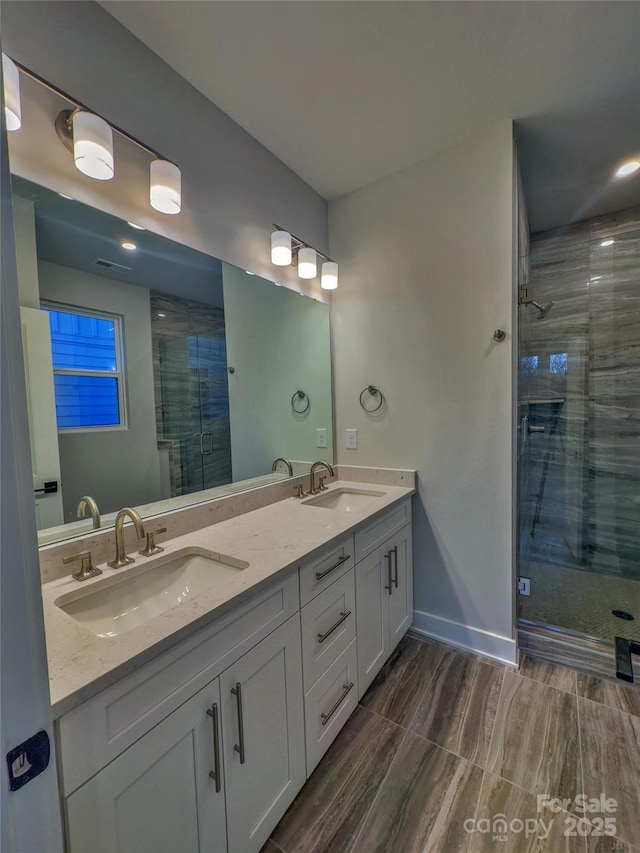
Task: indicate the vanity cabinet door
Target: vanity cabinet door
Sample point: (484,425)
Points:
(263,734)
(372,616)
(157,796)
(401,598)
(384,603)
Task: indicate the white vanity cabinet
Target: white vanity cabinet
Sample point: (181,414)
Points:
(384,591)
(205,746)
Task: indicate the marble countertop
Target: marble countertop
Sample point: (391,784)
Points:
(271,539)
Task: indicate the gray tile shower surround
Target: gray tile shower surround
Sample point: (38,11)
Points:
(443,740)
(580,478)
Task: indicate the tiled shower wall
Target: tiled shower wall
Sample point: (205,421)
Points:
(580,399)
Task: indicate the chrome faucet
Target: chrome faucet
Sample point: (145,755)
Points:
(286,462)
(121,558)
(319,464)
(87,501)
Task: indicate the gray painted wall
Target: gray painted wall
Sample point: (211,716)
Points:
(426,277)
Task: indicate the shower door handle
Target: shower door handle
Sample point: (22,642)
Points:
(533,428)
(203,436)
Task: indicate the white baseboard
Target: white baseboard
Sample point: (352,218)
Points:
(465,637)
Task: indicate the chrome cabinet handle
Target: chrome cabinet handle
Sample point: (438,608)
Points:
(215,773)
(239,747)
(395,566)
(320,575)
(326,717)
(388,587)
(344,615)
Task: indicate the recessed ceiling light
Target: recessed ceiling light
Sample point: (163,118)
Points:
(62,195)
(128,246)
(137,227)
(596,277)
(162,315)
(608,242)
(248,272)
(627,168)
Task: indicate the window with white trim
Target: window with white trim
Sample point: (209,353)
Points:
(88,368)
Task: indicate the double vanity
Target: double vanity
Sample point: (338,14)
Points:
(197,689)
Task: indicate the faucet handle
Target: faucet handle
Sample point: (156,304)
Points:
(151,547)
(87,569)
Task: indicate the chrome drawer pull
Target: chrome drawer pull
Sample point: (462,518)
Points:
(388,586)
(320,575)
(326,717)
(239,747)
(344,615)
(215,773)
(395,566)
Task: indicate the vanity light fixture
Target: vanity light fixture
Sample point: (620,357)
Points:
(90,139)
(12,108)
(92,145)
(329,275)
(307,265)
(288,249)
(628,168)
(281,248)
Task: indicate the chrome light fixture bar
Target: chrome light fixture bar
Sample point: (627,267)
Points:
(90,139)
(287,249)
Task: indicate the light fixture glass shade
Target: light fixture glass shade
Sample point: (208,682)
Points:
(307,263)
(93,146)
(165,193)
(329,277)
(281,248)
(12,109)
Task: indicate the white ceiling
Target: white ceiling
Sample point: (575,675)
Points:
(348,92)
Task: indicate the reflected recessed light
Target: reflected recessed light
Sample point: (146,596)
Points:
(630,167)
(128,245)
(608,242)
(162,315)
(596,277)
(62,195)
(137,227)
(248,272)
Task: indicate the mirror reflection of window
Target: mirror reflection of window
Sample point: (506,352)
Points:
(88,372)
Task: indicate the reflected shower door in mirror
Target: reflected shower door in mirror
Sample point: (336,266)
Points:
(156,376)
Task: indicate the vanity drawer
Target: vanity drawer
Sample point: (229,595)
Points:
(326,567)
(373,533)
(328,626)
(94,733)
(329,704)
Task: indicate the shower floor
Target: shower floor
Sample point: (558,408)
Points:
(581,601)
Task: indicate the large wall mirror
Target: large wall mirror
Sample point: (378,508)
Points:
(157,376)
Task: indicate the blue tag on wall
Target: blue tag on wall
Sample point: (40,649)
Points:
(28,760)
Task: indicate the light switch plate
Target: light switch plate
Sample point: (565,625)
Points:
(351,439)
(321,438)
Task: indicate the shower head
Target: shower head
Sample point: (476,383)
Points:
(543,309)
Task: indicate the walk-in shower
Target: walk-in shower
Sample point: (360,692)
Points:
(579,441)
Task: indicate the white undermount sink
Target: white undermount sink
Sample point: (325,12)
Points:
(345,499)
(116,605)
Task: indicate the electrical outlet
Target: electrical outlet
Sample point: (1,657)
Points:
(524,585)
(351,439)
(321,438)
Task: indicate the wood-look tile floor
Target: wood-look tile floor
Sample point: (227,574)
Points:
(451,753)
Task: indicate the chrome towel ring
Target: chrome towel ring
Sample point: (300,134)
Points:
(372,391)
(298,397)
